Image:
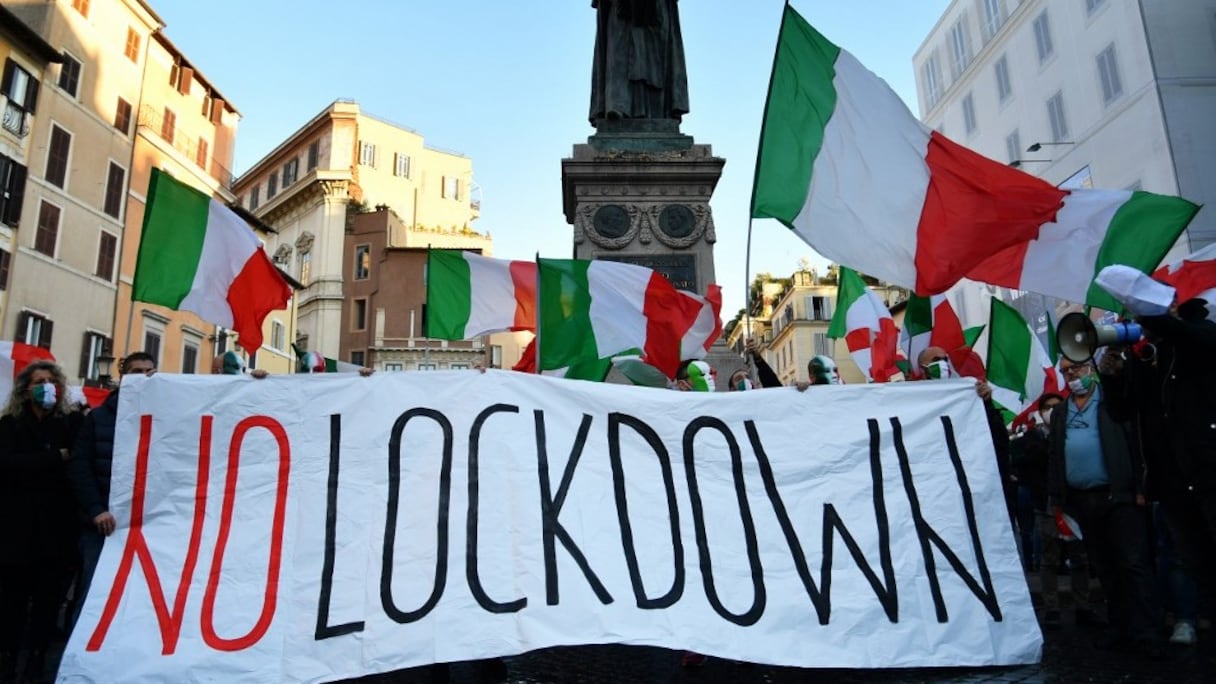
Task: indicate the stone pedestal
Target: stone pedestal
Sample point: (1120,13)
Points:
(638,192)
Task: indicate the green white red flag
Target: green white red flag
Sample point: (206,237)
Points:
(469,295)
(1194,276)
(195,254)
(866,325)
(589,310)
(15,356)
(847,167)
(1019,368)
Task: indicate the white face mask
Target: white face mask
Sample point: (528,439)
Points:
(938,370)
(1081,386)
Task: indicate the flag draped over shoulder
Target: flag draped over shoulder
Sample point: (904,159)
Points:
(197,255)
(1019,368)
(589,310)
(866,325)
(469,295)
(847,167)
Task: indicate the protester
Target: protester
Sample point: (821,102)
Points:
(89,472)
(38,548)
(1169,389)
(1096,475)
(822,370)
(741,379)
(231,363)
(1032,472)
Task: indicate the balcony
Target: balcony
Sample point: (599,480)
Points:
(153,120)
(16,120)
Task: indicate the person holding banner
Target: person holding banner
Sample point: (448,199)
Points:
(38,548)
(1096,475)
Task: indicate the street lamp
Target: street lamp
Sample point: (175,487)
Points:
(104,360)
(1017,163)
(1039,145)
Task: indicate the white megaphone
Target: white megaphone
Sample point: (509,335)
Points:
(1078,338)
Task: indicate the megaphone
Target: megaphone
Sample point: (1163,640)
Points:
(1078,338)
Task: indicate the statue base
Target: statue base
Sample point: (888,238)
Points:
(639,135)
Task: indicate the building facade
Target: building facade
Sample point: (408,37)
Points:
(314,185)
(1086,93)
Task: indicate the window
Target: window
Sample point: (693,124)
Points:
(5,260)
(960,51)
(181,78)
(254,197)
(363,261)
(201,153)
(367,154)
(426,366)
(152,340)
(932,77)
(969,123)
(168,126)
(12,190)
(1004,87)
(356,357)
(1013,146)
(290,170)
(401,165)
(314,153)
(131,50)
(107,248)
(1055,115)
(818,308)
(34,329)
(22,93)
(450,188)
(458,366)
(69,75)
(305,267)
(393,367)
(122,116)
(47,233)
(1092,6)
(358,315)
(189,357)
(994,16)
(1083,179)
(278,335)
(93,346)
(81,6)
(823,346)
(272,185)
(57,156)
(115,181)
(206,110)
(1042,37)
(1108,72)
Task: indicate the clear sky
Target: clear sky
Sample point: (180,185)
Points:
(508,83)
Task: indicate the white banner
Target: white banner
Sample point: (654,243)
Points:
(312,528)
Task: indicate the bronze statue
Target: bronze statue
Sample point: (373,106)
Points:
(638,71)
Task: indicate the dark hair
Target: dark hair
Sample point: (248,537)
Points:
(1048,396)
(132,357)
(682,370)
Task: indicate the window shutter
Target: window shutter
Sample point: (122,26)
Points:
(9,67)
(44,340)
(31,95)
(217,110)
(23,321)
(84,356)
(16,195)
(185,77)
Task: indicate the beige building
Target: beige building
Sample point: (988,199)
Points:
(64,273)
(26,57)
(184,126)
(339,164)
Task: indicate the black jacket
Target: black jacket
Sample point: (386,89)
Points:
(764,372)
(89,467)
(1124,463)
(36,502)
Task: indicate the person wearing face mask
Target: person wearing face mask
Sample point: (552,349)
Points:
(822,370)
(1096,475)
(38,548)
(1032,472)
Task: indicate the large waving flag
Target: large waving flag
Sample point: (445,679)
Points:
(932,322)
(1019,368)
(469,295)
(197,255)
(845,165)
(866,325)
(1194,276)
(589,310)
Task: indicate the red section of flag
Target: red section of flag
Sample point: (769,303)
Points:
(947,331)
(884,352)
(975,206)
(25,354)
(96,396)
(669,315)
(257,290)
(858,339)
(523,276)
(713,295)
(1191,278)
(527,360)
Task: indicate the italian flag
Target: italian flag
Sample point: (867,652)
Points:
(592,310)
(315,362)
(1194,276)
(15,356)
(197,255)
(1019,369)
(469,295)
(845,165)
(931,322)
(865,323)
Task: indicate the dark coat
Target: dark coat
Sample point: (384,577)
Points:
(1124,463)
(89,467)
(36,501)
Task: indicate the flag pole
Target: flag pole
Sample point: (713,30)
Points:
(538,312)
(751,213)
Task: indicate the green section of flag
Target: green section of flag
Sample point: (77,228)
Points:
(850,287)
(564,314)
(1140,234)
(449,294)
(1009,340)
(918,316)
(801,100)
(970,335)
(175,225)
